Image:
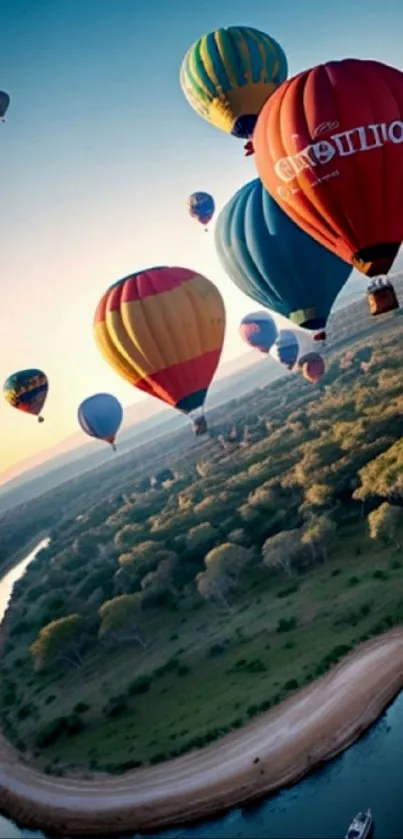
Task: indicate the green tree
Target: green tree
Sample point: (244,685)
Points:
(213,584)
(162,578)
(202,537)
(319,495)
(129,535)
(282,550)
(385,523)
(59,641)
(318,534)
(229,560)
(121,620)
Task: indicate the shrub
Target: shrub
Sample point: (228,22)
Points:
(24,712)
(50,732)
(285,592)
(130,764)
(252,710)
(115,706)
(74,724)
(81,707)
(183,670)
(168,667)
(158,758)
(395,564)
(140,685)
(292,684)
(353,581)
(380,575)
(286,624)
(216,649)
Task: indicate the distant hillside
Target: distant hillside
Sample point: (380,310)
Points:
(71,464)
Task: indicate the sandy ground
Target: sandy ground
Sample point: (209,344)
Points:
(290,740)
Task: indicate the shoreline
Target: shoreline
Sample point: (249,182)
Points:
(23,552)
(309,728)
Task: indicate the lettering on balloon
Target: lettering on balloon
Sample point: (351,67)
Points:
(323,128)
(343,144)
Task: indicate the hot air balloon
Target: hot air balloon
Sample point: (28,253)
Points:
(258,330)
(329,148)
(27,391)
(381,296)
(312,367)
(201,206)
(162,329)
(228,75)
(285,349)
(100,416)
(272,260)
(4,104)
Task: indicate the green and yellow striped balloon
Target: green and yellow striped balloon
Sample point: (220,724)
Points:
(229,74)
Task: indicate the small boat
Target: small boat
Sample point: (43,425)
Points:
(361,826)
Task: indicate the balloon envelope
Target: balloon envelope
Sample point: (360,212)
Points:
(27,390)
(272,260)
(258,330)
(227,76)
(329,148)
(201,206)
(101,416)
(312,367)
(4,103)
(162,330)
(285,349)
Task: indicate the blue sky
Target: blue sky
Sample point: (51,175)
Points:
(98,155)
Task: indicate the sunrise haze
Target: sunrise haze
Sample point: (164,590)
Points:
(98,155)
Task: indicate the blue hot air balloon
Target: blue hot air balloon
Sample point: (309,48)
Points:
(201,206)
(285,349)
(4,104)
(259,330)
(274,262)
(100,416)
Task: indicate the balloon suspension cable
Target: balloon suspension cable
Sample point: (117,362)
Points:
(249,148)
(114,447)
(41,419)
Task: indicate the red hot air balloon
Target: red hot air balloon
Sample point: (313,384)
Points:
(329,148)
(312,367)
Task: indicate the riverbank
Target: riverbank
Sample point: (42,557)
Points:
(22,552)
(307,729)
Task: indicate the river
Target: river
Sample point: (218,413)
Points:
(370,773)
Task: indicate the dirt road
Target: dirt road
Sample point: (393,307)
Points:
(308,728)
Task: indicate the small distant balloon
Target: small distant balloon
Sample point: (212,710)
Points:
(259,331)
(285,349)
(201,206)
(312,367)
(100,416)
(26,391)
(4,104)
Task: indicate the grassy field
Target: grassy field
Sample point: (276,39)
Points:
(207,672)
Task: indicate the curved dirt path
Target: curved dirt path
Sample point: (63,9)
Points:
(308,728)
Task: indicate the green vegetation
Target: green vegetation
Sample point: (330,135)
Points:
(168,613)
